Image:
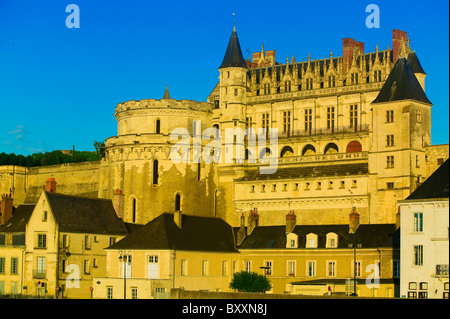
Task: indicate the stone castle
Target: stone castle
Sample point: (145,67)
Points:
(353,132)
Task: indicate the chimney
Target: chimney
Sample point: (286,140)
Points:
(398,37)
(360,45)
(50,185)
(253,220)
(241,232)
(291,221)
(177,218)
(347,52)
(118,202)
(353,221)
(6,208)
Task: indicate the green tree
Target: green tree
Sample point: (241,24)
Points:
(250,282)
(100,149)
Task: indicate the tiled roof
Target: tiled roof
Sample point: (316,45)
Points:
(85,215)
(19,219)
(401,84)
(308,171)
(196,234)
(435,186)
(369,235)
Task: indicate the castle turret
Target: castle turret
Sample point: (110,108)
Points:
(233,87)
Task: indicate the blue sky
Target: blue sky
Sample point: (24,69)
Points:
(59,86)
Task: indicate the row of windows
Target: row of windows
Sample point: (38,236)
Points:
(41,241)
(421,290)
(309,83)
(14,265)
(134,292)
(307,186)
(390,116)
(308,119)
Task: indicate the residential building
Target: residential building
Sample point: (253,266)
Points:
(424,253)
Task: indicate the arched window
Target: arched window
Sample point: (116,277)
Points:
(309,150)
(331,148)
(155,172)
(133,210)
(158,127)
(287,151)
(353,147)
(177,202)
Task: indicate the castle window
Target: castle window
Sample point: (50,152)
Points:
(354,183)
(307,186)
(419,116)
(354,116)
(308,120)
(330,185)
(248,122)
(342,184)
(252,190)
(319,185)
(296,187)
(216,104)
(155,172)
(228,74)
(263,188)
(235,92)
(331,81)
(390,140)
(265,122)
(158,127)
(177,202)
(390,161)
(330,117)
(267,88)
(309,84)
(287,86)
(287,121)
(390,116)
(377,76)
(274,187)
(390,185)
(354,78)
(133,209)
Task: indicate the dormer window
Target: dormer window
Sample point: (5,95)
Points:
(291,240)
(354,78)
(332,240)
(311,240)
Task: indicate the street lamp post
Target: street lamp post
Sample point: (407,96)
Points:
(124,258)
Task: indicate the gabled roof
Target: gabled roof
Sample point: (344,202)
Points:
(233,56)
(196,234)
(435,186)
(85,215)
(370,236)
(19,219)
(401,84)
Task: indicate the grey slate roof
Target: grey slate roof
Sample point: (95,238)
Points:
(197,234)
(233,55)
(413,61)
(301,172)
(401,84)
(86,215)
(370,236)
(435,186)
(19,219)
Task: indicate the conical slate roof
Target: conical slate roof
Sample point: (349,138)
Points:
(233,56)
(413,61)
(401,84)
